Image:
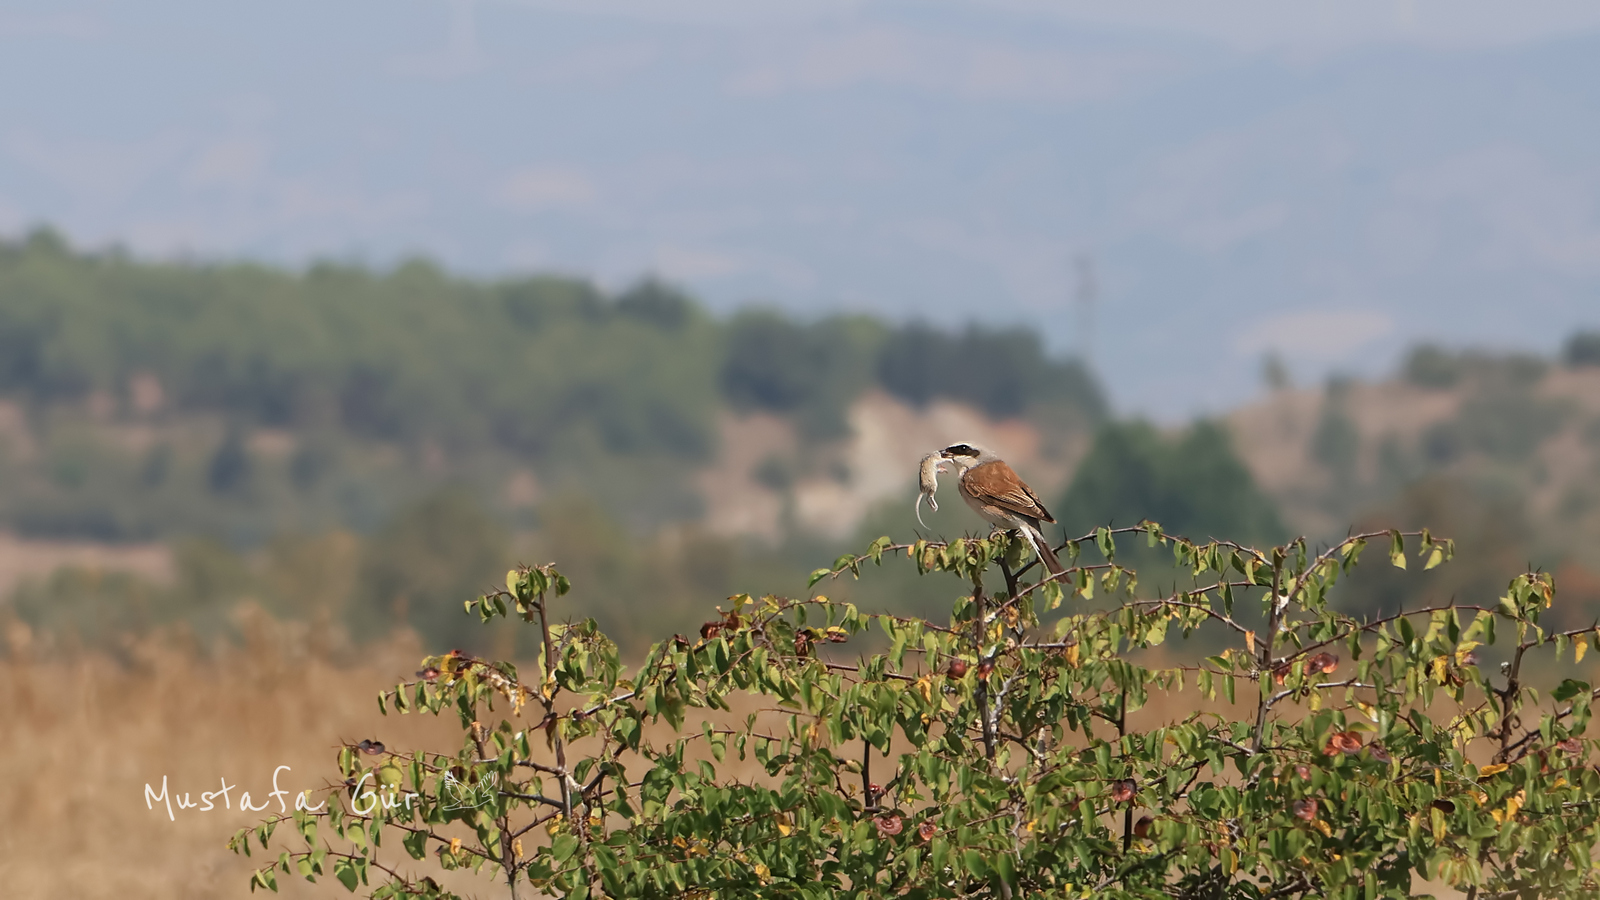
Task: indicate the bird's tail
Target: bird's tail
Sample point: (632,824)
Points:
(1041,546)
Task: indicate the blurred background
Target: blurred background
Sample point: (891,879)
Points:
(314,318)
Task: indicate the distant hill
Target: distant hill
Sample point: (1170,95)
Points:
(141,400)
(1501,451)
(366,448)
(1511,429)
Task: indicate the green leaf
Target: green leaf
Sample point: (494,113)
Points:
(1102,539)
(1568,689)
(346,873)
(562,848)
(416,844)
(1397,550)
(975,863)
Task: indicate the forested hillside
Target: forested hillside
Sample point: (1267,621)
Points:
(403,431)
(165,399)
(357,447)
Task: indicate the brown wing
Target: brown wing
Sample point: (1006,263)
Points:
(998,484)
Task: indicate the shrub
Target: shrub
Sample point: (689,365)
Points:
(1005,752)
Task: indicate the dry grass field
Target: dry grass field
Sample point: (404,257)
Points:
(83,736)
(85,733)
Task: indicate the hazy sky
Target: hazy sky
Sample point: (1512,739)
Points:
(1332,180)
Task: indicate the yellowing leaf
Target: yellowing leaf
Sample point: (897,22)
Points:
(1514,803)
(1250,641)
(785,828)
(1490,770)
(763,873)
(1580,646)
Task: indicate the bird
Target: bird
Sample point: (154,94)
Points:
(995,491)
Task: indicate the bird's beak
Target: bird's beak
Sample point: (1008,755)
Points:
(944,454)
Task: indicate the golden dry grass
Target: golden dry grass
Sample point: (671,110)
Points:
(83,736)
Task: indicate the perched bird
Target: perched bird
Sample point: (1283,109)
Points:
(995,492)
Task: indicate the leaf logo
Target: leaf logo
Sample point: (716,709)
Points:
(457,794)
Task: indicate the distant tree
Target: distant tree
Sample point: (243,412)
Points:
(1003,372)
(1502,422)
(1337,442)
(1195,480)
(811,372)
(1491,531)
(1582,349)
(914,362)
(430,553)
(772,362)
(1432,367)
(544,301)
(656,303)
(1275,372)
(230,466)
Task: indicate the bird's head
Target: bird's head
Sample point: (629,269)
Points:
(965,455)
